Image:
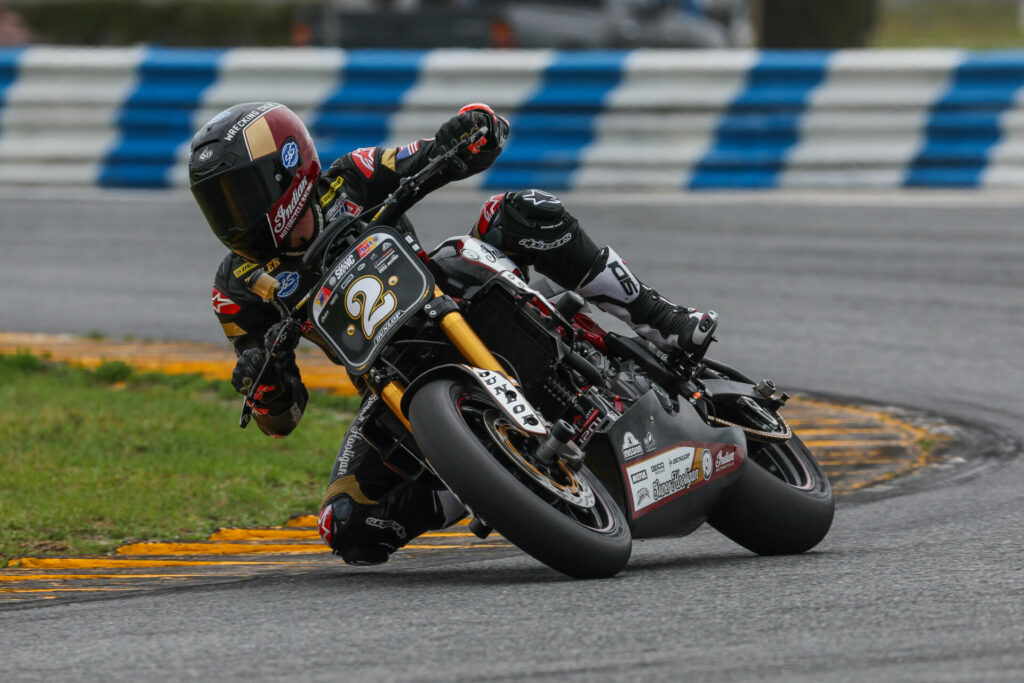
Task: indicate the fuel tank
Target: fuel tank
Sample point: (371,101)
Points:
(461,262)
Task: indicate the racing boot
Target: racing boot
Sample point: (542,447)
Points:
(615,289)
(368,534)
(340,526)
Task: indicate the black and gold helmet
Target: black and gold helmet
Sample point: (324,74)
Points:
(253,170)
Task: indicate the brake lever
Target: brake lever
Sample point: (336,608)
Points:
(265,286)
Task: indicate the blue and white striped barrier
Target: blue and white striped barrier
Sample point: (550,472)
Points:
(639,119)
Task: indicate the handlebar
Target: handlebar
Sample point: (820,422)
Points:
(388,209)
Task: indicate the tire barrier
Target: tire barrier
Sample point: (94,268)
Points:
(639,119)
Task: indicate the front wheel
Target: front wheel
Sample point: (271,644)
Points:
(781,504)
(565,519)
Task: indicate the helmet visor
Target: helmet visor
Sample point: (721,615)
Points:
(235,201)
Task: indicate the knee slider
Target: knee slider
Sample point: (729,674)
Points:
(349,527)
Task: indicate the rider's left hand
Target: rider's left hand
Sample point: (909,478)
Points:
(470,119)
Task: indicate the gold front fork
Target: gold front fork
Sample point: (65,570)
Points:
(465,340)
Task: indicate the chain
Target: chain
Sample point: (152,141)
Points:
(757,433)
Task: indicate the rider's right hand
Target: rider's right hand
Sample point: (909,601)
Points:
(697,333)
(247,369)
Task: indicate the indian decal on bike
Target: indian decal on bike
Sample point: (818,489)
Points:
(669,474)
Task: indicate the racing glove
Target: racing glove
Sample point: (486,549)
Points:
(481,154)
(280,396)
(247,370)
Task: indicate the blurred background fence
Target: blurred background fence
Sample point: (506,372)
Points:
(658,119)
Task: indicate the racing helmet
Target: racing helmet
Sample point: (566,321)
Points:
(253,170)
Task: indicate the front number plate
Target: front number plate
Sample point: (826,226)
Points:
(367,295)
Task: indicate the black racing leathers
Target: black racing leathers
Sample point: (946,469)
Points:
(368,509)
(384,503)
(359,179)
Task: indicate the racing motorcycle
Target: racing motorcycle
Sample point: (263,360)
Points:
(567,439)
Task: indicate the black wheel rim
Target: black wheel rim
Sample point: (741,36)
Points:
(783,461)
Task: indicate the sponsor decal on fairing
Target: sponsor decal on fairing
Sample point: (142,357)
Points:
(631,448)
(649,442)
(724,460)
(707,465)
(672,473)
(367,246)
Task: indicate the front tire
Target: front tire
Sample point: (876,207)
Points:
(782,503)
(458,429)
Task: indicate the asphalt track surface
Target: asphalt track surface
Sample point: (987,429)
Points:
(914,300)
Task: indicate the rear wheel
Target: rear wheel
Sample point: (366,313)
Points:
(782,503)
(565,519)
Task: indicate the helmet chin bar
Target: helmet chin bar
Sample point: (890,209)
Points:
(318,225)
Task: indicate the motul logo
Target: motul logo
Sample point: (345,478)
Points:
(286,214)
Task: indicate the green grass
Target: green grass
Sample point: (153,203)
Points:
(968,24)
(90,459)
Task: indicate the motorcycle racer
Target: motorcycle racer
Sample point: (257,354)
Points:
(256,175)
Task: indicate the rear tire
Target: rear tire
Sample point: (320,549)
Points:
(449,420)
(782,503)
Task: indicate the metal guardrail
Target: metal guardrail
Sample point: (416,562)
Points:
(657,119)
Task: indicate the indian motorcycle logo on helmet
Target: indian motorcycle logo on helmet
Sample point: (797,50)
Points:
(286,211)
